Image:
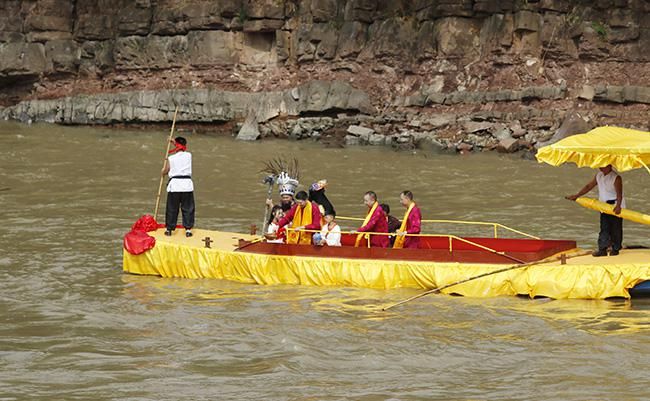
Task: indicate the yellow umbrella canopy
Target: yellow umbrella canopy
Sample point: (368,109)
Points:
(625,149)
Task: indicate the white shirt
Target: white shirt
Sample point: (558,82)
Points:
(180,163)
(273,229)
(606,188)
(333,237)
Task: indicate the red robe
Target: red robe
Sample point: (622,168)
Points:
(413,226)
(315,217)
(378,223)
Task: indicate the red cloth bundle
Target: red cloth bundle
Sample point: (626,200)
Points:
(137,240)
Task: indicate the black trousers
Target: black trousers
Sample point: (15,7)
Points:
(184,201)
(611,232)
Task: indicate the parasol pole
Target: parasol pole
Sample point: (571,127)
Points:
(269,181)
(169,142)
(562,257)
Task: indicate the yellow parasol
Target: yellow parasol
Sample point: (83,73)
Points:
(625,149)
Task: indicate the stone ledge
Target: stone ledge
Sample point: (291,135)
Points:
(507,95)
(195,105)
(621,94)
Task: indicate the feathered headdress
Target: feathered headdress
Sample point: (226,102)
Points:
(285,173)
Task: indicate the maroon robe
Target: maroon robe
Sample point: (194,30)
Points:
(315,217)
(378,223)
(413,226)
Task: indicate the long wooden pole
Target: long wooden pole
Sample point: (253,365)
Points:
(162,178)
(266,207)
(438,289)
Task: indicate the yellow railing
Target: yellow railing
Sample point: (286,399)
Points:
(496,226)
(450,237)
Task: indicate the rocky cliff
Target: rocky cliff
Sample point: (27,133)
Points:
(460,74)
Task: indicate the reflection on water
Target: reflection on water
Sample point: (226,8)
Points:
(75,327)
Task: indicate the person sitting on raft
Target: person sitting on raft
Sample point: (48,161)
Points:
(375,221)
(304,215)
(330,234)
(411,223)
(275,234)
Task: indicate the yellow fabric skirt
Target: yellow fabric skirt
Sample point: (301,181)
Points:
(582,277)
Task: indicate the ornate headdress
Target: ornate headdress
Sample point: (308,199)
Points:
(285,173)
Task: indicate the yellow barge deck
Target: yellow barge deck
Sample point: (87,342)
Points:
(582,277)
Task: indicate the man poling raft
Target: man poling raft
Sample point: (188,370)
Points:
(180,189)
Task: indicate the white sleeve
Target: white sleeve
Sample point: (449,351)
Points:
(334,237)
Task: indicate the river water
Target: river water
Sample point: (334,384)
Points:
(73,326)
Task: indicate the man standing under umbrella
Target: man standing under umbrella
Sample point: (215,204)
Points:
(610,190)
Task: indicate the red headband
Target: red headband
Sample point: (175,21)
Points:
(178,147)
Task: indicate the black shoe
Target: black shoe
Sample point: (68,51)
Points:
(613,252)
(188,233)
(600,252)
(168,233)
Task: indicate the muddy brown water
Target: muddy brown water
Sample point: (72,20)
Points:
(74,327)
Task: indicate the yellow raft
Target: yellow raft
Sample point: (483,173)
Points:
(582,277)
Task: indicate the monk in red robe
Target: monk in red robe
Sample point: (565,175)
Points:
(304,215)
(375,222)
(411,223)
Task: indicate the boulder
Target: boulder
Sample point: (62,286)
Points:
(501,132)
(573,123)
(472,127)
(440,120)
(351,140)
(250,130)
(463,147)
(377,139)
(360,131)
(508,145)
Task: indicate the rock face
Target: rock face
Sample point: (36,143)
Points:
(194,105)
(441,63)
(145,34)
